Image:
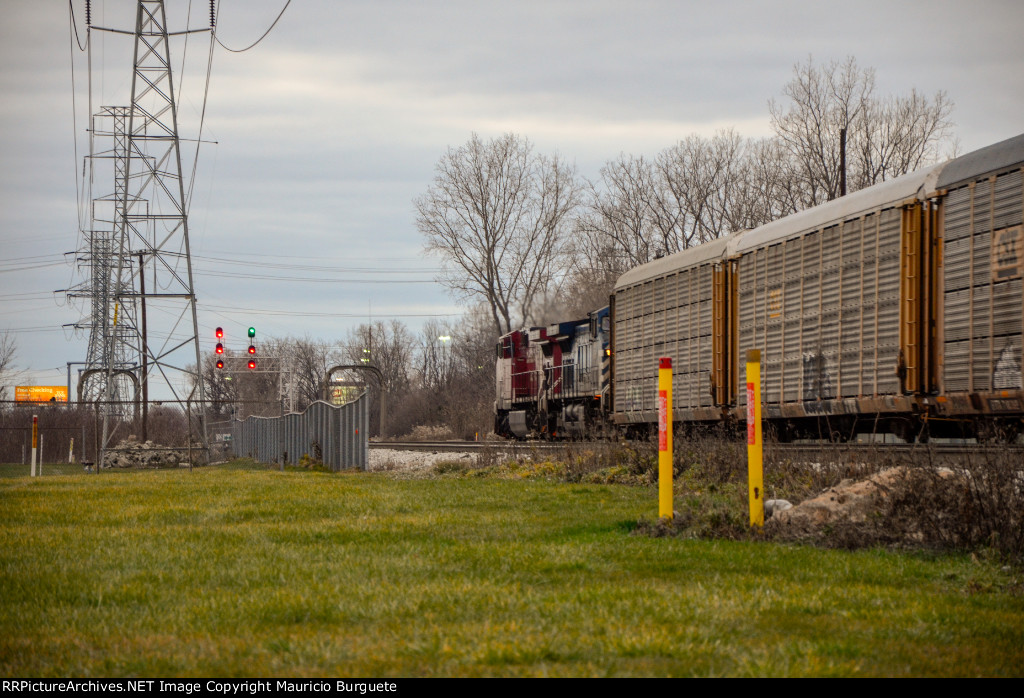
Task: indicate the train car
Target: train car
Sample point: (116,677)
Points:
(828,297)
(897,308)
(669,307)
(552,381)
(979,295)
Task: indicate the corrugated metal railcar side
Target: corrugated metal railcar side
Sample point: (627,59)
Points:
(664,308)
(982,230)
(819,295)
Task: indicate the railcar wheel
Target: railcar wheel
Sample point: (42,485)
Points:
(780,431)
(911,430)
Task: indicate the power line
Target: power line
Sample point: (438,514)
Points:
(240,50)
(30,267)
(318,267)
(71,7)
(27,296)
(299,313)
(236,255)
(310,280)
(13,260)
(202,114)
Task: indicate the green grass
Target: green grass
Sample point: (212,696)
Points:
(234,572)
(24,469)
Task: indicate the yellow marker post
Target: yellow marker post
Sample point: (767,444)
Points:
(755,450)
(665,438)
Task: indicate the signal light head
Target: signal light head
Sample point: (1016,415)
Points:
(220,364)
(252,349)
(220,333)
(220,348)
(252,331)
(252,363)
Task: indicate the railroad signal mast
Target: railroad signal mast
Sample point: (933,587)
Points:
(252,348)
(242,367)
(219,349)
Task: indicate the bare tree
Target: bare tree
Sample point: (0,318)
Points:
(903,134)
(703,188)
(496,214)
(388,346)
(436,357)
(220,383)
(772,187)
(695,191)
(705,178)
(8,348)
(886,137)
(310,360)
(629,217)
(617,227)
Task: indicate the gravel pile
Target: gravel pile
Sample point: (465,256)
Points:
(414,463)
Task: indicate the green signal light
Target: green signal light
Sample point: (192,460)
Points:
(252,331)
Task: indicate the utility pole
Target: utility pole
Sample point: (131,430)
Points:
(842,162)
(145,351)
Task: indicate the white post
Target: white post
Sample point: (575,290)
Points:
(35,444)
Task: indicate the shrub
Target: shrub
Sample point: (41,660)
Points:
(978,502)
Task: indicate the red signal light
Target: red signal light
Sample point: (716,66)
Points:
(252,349)
(220,333)
(252,363)
(220,364)
(220,348)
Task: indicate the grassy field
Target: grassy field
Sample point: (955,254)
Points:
(241,572)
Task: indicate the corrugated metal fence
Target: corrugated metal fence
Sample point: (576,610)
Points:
(338,435)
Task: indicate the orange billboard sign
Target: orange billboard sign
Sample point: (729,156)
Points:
(40,393)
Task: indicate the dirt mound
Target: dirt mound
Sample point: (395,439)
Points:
(853,509)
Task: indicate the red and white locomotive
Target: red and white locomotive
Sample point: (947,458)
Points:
(553,381)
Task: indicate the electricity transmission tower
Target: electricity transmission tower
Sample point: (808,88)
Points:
(108,158)
(143,325)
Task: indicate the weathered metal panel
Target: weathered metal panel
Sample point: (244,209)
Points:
(667,315)
(339,434)
(888,304)
(1006,201)
(845,208)
(957,215)
(983,306)
(824,308)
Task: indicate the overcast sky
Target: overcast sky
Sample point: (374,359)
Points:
(327,130)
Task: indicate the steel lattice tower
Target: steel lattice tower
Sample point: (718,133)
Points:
(109,124)
(139,247)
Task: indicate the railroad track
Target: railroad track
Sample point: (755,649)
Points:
(459,446)
(939,453)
